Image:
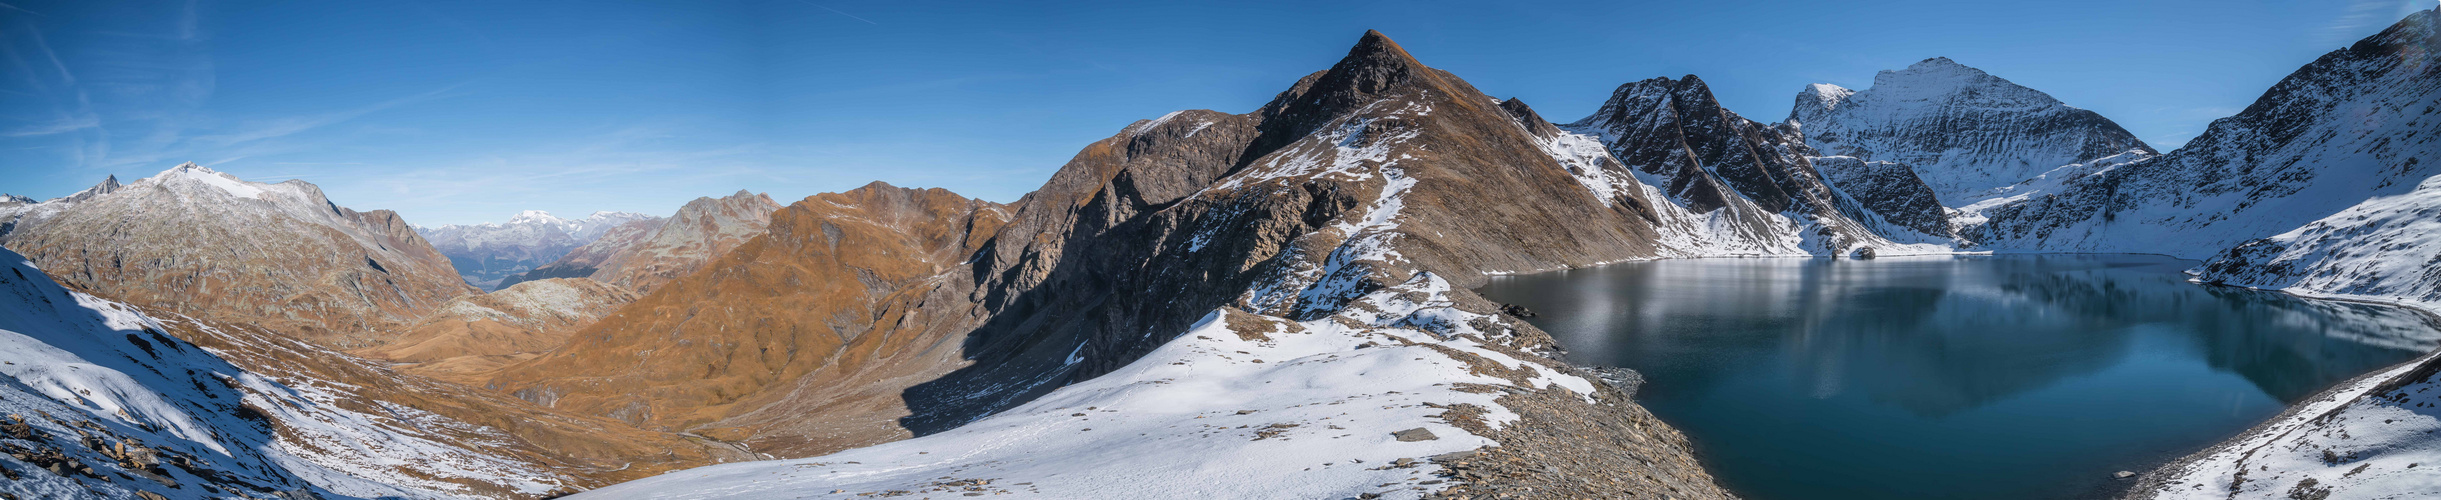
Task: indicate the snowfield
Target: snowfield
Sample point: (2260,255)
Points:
(1242,406)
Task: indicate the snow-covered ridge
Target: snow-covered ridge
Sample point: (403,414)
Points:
(190,172)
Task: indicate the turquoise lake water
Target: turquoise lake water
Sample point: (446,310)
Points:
(2008,377)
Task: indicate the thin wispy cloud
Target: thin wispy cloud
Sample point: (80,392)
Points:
(836,11)
(285,126)
(52,56)
(190,21)
(60,126)
(2365,15)
(19,9)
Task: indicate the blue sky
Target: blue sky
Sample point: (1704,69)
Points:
(465,112)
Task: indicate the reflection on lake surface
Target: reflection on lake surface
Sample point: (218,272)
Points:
(1972,377)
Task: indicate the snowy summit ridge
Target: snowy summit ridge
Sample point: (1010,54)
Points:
(1968,134)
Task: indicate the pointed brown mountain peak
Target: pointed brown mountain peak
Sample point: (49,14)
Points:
(1374,65)
(1377,55)
(1374,70)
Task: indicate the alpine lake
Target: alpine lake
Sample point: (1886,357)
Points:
(1970,377)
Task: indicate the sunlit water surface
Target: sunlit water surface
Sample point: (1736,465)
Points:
(2012,377)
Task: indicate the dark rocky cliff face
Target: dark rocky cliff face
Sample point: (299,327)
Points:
(1710,159)
(1890,190)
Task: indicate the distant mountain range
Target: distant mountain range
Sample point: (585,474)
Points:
(1257,305)
(487,254)
(641,254)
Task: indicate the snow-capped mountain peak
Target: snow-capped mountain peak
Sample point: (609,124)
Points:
(1821,97)
(191,172)
(1970,135)
(1940,79)
(536,216)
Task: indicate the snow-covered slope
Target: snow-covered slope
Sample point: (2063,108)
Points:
(101,402)
(1968,134)
(2369,438)
(2387,249)
(487,253)
(2360,122)
(1241,406)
